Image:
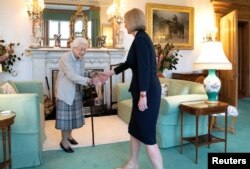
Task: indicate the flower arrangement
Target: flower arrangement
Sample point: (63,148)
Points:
(8,57)
(166,56)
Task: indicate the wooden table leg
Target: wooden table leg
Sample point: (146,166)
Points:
(4,147)
(9,145)
(226,114)
(232,130)
(5,125)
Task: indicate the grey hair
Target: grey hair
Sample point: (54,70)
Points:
(77,41)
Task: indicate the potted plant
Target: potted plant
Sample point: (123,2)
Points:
(166,57)
(8,57)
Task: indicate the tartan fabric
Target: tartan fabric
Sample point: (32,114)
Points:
(70,117)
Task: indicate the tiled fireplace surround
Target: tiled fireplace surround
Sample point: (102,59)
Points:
(45,60)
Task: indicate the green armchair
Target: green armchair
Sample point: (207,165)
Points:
(168,123)
(27,132)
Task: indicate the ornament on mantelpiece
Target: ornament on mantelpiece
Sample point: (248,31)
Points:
(57,38)
(119,39)
(101,41)
(37,37)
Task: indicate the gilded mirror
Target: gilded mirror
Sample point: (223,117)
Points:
(70,21)
(78,24)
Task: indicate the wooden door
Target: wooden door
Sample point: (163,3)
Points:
(229,39)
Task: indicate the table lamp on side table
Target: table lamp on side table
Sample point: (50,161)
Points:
(212,57)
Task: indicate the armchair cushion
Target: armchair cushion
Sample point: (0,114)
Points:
(122,91)
(177,89)
(31,87)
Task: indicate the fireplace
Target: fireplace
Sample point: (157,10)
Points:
(46,60)
(92,95)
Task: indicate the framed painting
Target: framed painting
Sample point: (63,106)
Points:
(171,24)
(107,30)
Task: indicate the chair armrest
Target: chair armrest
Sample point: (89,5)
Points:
(26,107)
(170,107)
(122,91)
(31,87)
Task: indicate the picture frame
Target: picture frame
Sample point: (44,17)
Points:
(107,30)
(170,24)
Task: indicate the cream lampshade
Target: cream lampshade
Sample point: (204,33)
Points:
(212,57)
(1,68)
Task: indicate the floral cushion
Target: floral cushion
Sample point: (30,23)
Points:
(8,88)
(164,89)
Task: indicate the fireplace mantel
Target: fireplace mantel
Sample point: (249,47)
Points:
(45,60)
(54,53)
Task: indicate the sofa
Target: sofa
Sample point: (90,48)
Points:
(27,132)
(168,123)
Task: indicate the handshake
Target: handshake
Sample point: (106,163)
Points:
(99,78)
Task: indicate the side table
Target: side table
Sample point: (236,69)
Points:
(201,108)
(5,125)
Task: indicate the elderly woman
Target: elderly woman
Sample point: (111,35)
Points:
(145,90)
(69,112)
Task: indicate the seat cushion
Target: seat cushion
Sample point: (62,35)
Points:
(124,109)
(177,89)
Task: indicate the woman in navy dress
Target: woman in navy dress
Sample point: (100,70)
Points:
(145,90)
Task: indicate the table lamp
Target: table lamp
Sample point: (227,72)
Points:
(212,57)
(1,68)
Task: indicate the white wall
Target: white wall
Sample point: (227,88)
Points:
(16,27)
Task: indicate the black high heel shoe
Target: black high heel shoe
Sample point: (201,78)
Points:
(68,149)
(73,141)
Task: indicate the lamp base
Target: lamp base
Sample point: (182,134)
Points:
(212,102)
(212,85)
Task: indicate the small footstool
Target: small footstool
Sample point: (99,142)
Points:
(231,111)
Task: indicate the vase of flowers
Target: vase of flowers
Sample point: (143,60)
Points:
(8,57)
(166,57)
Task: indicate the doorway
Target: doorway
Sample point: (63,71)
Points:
(243,59)
(239,44)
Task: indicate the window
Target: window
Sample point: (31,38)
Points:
(58,27)
(62,28)
(57,21)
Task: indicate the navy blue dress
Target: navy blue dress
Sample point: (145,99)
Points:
(142,60)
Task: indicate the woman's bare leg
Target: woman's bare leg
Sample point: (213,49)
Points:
(133,162)
(155,156)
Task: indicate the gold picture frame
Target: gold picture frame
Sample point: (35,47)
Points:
(107,30)
(171,24)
